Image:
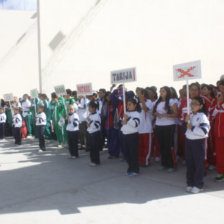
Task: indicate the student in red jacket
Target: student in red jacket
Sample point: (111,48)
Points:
(208,94)
(219,132)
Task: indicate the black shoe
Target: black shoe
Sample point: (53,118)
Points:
(143,165)
(220,178)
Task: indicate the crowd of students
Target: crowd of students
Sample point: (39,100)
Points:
(154,127)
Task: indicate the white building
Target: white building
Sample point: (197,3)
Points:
(82,41)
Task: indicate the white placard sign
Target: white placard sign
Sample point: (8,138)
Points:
(8,97)
(60,90)
(187,71)
(123,76)
(34,93)
(84,89)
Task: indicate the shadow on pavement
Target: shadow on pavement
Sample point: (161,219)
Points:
(52,182)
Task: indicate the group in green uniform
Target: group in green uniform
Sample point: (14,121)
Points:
(59,108)
(55,110)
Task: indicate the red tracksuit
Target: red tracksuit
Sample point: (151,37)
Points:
(208,104)
(145,135)
(219,138)
(211,154)
(181,135)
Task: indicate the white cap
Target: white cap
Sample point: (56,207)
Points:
(222,77)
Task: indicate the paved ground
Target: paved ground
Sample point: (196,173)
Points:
(48,188)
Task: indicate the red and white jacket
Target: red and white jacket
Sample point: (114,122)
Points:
(218,114)
(183,109)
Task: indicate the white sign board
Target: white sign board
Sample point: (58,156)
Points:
(60,90)
(34,93)
(8,97)
(187,71)
(123,76)
(84,89)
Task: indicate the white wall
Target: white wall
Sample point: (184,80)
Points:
(149,34)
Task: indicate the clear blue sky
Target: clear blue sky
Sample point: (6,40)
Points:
(18,5)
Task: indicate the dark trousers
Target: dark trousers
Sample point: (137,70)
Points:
(103,133)
(2,130)
(40,134)
(94,145)
(113,142)
(131,151)
(121,143)
(83,133)
(195,162)
(73,142)
(17,135)
(165,136)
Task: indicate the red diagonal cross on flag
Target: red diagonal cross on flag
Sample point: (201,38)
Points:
(186,73)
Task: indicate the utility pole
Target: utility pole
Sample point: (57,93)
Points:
(39,46)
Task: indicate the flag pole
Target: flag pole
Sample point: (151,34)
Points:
(188,97)
(124,100)
(39,46)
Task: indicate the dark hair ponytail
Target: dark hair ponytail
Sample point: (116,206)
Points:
(167,100)
(144,93)
(93,105)
(135,102)
(201,101)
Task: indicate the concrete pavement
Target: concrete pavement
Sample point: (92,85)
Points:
(47,187)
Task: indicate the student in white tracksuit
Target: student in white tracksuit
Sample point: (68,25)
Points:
(41,121)
(145,129)
(197,128)
(72,129)
(27,115)
(2,123)
(165,115)
(129,129)
(17,124)
(94,135)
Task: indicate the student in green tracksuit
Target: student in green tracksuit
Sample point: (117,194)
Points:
(47,111)
(34,105)
(59,118)
(8,113)
(27,115)
(52,107)
(69,100)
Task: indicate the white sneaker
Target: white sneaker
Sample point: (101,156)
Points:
(188,189)
(60,146)
(92,164)
(72,157)
(29,137)
(3,140)
(40,150)
(196,190)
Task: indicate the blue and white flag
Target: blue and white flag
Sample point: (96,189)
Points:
(25,5)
